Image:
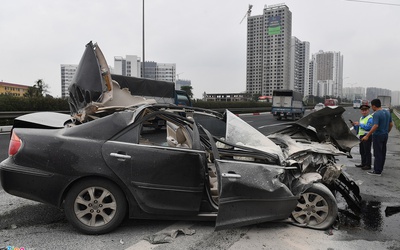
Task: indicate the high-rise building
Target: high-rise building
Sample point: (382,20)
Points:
(67,73)
(132,66)
(166,72)
(129,66)
(327,74)
(299,70)
(268,50)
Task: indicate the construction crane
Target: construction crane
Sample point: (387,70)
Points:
(248,13)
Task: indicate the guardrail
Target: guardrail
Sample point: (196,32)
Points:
(397,113)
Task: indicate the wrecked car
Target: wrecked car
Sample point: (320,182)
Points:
(119,155)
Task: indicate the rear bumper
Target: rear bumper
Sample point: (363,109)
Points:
(30,183)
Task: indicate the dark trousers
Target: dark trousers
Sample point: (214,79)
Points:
(365,151)
(379,144)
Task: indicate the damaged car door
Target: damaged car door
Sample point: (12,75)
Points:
(165,175)
(251,193)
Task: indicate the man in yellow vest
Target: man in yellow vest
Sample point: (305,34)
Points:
(363,127)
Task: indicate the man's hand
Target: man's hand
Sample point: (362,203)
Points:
(365,138)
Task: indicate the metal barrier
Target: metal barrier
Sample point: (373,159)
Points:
(396,113)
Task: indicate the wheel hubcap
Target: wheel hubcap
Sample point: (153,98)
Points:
(95,206)
(312,209)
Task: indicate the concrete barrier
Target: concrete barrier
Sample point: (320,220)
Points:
(5,129)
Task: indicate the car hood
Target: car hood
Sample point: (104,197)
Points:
(92,87)
(324,126)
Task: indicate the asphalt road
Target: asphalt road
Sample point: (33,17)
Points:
(31,225)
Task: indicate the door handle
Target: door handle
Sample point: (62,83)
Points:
(229,175)
(121,156)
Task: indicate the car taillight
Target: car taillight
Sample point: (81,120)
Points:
(15,144)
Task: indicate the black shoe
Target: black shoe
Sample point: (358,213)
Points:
(373,173)
(366,168)
(359,166)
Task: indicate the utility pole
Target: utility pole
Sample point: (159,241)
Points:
(144,64)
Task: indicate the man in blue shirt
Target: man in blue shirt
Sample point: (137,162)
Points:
(380,132)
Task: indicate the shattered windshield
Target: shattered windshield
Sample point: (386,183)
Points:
(241,133)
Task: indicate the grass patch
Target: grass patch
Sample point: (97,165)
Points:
(396,121)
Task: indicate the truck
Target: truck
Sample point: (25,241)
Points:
(162,91)
(287,104)
(386,101)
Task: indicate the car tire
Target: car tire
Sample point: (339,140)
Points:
(316,208)
(95,206)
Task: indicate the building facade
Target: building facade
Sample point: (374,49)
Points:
(268,50)
(180,83)
(352,93)
(227,97)
(67,74)
(13,89)
(166,72)
(327,74)
(128,66)
(372,92)
(132,66)
(299,70)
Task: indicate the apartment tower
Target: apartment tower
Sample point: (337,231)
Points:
(268,50)
(327,74)
(67,73)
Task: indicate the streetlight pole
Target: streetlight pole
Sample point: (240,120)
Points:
(144,64)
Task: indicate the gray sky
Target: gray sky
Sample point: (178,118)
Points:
(204,38)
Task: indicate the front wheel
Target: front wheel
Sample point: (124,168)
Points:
(316,208)
(95,206)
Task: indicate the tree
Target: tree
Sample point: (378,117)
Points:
(38,90)
(188,90)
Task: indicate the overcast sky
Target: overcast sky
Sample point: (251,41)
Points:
(204,38)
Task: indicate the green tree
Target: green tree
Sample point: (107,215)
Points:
(188,90)
(38,90)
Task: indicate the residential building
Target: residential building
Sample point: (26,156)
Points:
(180,82)
(309,90)
(299,70)
(352,93)
(128,66)
(132,66)
(373,93)
(268,50)
(13,89)
(327,74)
(67,74)
(166,72)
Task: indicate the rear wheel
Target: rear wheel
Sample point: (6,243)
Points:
(95,206)
(316,208)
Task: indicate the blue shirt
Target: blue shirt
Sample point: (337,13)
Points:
(382,118)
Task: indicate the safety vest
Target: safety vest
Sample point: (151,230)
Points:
(363,121)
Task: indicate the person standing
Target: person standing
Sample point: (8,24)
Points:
(380,132)
(363,126)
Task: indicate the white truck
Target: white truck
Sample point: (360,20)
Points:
(386,101)
(287,104)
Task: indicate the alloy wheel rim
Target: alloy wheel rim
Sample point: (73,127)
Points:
(95,206)
(312,209)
